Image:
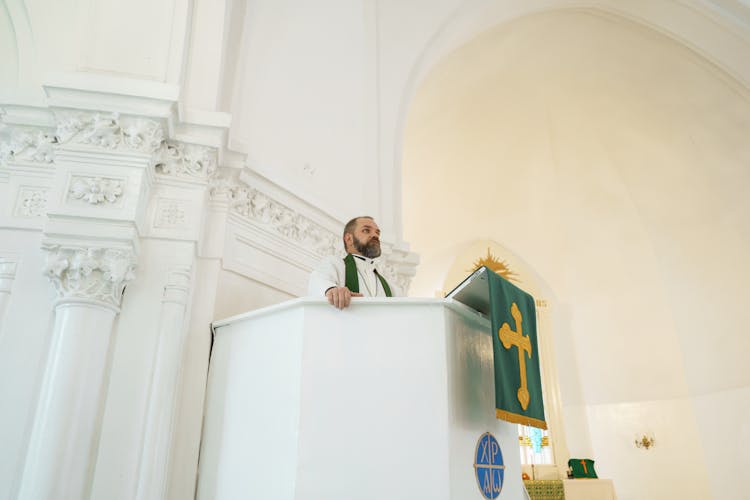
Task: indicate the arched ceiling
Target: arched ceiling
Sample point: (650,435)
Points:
(614,161)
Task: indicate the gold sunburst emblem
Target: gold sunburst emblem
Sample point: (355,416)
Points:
(497,265)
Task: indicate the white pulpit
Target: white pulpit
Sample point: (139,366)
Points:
(384,400)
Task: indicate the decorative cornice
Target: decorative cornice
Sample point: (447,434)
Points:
(95,190)
(187,161)
(257,207)
(251,204)
(90,273)
(171,161)
(104,131)
(110,131)
(36,146)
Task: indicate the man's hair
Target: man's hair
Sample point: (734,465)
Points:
(352,225)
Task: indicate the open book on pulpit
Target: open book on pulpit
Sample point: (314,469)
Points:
(474,291)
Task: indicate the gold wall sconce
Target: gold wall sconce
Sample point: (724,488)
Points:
(645,441)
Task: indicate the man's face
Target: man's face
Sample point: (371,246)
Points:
(366,238)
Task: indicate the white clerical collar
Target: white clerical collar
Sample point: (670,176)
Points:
(364,259)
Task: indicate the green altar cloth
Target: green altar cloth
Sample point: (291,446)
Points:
(545,489)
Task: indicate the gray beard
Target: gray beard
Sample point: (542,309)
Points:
(371,249)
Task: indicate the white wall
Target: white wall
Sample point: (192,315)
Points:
(676,467)
(204,72)
(303,102)
(130,38)
(141,40)
(732,408)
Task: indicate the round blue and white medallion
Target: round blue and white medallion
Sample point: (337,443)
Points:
(488,466)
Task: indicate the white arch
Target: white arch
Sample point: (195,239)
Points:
(721,39)
(24,37)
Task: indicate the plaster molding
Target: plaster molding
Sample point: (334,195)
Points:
(95,190)
(292,225)
(186,161)
(31,201)
(220,188)
(96,274)
(171,213)
(28,145)
(110,131)
(255,207)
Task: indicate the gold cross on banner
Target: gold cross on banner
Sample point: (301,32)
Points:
(511,338)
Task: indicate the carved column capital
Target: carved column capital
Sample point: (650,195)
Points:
(91,274)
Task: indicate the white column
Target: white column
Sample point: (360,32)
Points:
(7,275)
(160,414)
(65,434)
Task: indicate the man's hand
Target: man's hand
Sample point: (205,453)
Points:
(341,296)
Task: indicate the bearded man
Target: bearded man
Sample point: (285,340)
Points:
(357,274)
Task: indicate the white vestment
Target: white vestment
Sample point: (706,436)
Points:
(331,272)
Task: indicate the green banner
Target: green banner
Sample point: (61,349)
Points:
(518,382)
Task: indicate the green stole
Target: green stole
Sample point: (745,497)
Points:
(352,279)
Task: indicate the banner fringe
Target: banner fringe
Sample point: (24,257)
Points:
(515,418)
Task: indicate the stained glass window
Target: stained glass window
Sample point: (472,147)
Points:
(534,445)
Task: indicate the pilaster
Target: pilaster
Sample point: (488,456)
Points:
(163,387)
(7,276)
